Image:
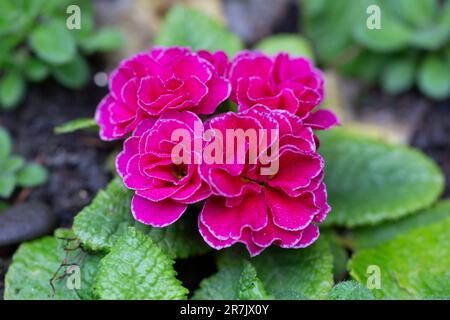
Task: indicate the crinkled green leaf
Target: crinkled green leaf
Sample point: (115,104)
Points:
(101,223)
(180,240)
(369,181)
(12,87)
(136,268)
(32,175)
(399,75)
(284,274)
(53,43)
(108,217)
(236,279)
(350,290)
(224,285)
(288,274)
(34,266)
(187,27)
(295,45)
(73,74)
(414,265)
(370,236)
(434,77)
(75,125)
(250,286)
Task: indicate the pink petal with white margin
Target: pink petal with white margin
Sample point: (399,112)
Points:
(219,90)
(130,148)
(309,235)
(211,240)
(271,233)
(225,222)
(252,247)
(102,119)
(296,169)
(156,214)
(322,120)
(291,214)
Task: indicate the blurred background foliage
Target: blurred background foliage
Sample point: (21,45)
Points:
(36,43)
(411,47)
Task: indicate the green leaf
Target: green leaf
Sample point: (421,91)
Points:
(101,223)
(330,24)
(180,240)
(250,286)
(34,265)
(53,43)
(224,285)
(422,13)
(434,77)
(392,36)
(3,206)
(399,75)
(283,274)
(366,65)
(75,125)
(293,44)
(73,74)
(350,290)
(5,143)
(136,268)
(436,34)
(32,175)
(237,279)
(340,255)
(108,217)
(412,266)
(187,27)
(106,39)
(11,164)
(12,87)
(365,237)
(292,274)
(7,185)
(369,181)
(36,70)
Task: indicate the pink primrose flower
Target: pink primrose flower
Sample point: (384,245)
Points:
(259,209)
(162,188)
(163,79)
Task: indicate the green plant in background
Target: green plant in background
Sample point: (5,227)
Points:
(412,46)
(35,43)
(14,171)
(381,196)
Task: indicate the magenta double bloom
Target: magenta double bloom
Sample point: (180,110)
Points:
(167,89)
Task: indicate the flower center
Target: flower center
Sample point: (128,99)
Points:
(180,171)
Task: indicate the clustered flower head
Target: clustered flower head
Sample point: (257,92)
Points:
(255,172)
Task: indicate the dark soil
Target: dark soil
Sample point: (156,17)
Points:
(76,162)
(433,137)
